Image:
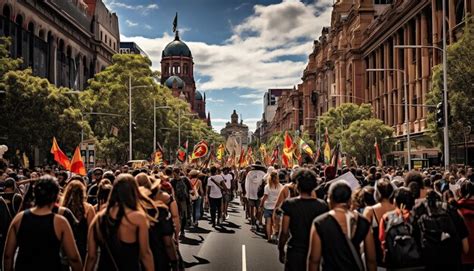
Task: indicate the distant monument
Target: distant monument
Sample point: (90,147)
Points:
(237,130)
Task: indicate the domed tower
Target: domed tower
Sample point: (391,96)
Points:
(177,63)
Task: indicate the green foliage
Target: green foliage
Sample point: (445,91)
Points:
(460,87)
(358,140)
(108,92)
(33,110)
(338,119)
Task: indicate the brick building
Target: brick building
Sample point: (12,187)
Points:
(177,73)
(362,35)
(66,41)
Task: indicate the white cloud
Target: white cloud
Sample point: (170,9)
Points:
(212,100)
(252,96)
(131,23)
(258,101)
(147,26)
(256,55)
(144,9)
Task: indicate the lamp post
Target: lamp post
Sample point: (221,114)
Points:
(445,85)
(154,122)
(405,93)
(130,138)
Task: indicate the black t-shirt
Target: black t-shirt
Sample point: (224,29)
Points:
(302,212)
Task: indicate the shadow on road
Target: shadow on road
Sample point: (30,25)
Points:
(200,261)
(191,241)
(222,229)
(232,225)
(198,230)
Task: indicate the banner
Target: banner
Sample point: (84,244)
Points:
(77,166)
(327,148)
(377,154)
(220,152)
(200,150)
(182,152)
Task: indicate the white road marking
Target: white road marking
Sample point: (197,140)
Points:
(244,259)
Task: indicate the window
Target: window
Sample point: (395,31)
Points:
(101,35)
(106,39)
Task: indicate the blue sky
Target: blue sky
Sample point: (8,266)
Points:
(240,48)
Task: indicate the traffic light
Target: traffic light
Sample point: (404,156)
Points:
(134,126)
(440,115)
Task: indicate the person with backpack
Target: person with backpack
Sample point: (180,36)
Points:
(182,190)
(253,181)
(399,235)
(466,208)
(215,186)
(196,196)
(336,236)
(383,194)
(443,233)
(298,214)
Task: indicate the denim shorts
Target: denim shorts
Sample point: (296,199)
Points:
(267,213)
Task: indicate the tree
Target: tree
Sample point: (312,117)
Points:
(358,140)
(460,87)
(338,119)
(34,111)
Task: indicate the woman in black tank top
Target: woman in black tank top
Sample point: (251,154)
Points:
(336,236)
(39,234)
(121,230)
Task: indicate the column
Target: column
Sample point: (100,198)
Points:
(410,68)
(425,66)
(451,19)
(52,76)
(418,109)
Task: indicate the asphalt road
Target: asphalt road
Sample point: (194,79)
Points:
(232,246)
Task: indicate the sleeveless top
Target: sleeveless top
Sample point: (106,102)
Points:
(158,230)
(126,256)
(335,250)
(80,234)
(38,245)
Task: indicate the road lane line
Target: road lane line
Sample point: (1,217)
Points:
(244,259)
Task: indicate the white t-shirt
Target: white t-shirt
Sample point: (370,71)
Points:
(253,180)
(215,191)
(272,196)
(228,180)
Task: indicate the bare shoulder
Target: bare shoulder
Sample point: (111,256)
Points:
(17,219)
(137,217)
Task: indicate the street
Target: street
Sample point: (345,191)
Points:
(229,247)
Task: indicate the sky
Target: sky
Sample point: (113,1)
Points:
(240,48)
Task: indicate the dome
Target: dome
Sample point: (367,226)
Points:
(176,48)
(171,81)
(198,96)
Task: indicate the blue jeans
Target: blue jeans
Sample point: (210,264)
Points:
(197,209)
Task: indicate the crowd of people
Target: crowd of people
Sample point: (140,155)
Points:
(123,218)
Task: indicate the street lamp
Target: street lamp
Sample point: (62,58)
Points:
(130,139)
(405,93)
(445,85)
(154,121)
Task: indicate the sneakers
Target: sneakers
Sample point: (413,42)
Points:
(227,217)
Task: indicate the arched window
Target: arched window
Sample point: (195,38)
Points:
(19,36)
(5,27)
(185,69)
(31,42)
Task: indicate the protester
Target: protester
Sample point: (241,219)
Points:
(121,231)
(39,234)
(196,196)
(215,186)
(227,197)
(253,181)
(466,208)
(75,200)
(383,194)
(271,192)
(336,236)
(298,213)
(182,191)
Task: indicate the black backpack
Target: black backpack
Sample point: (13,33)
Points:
(439,239)
(261,190)
(182,192)
(401,248)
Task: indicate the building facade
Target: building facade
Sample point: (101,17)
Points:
(65,41)
(362,35)
(177,73)
(130,47)
(236,129)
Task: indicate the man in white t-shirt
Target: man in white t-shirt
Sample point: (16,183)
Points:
(215,185)
(252,182)
(227,197)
